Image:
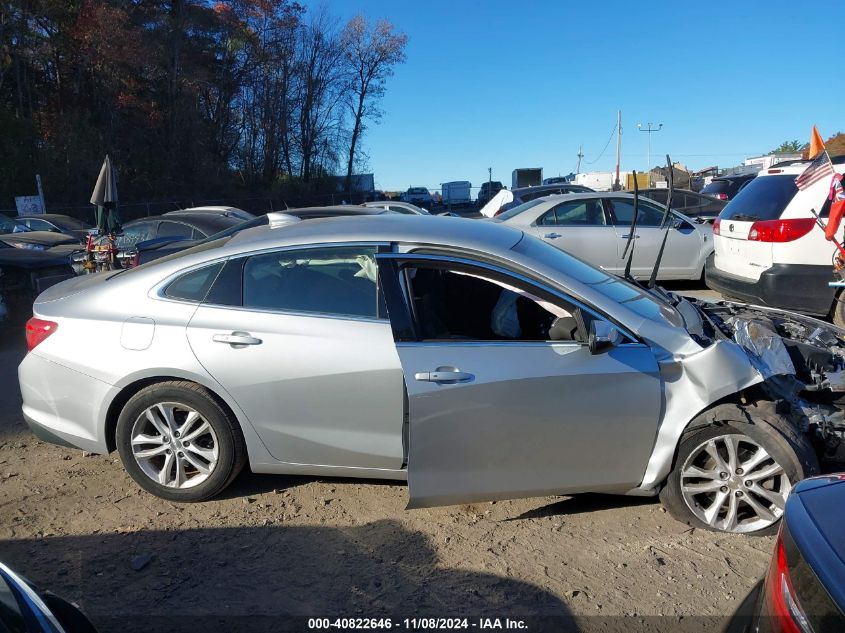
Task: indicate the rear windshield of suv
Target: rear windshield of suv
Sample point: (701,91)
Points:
(762,199)
(717,186)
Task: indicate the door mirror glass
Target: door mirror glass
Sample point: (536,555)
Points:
(603,336)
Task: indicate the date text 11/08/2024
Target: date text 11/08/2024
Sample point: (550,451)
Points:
(413,624)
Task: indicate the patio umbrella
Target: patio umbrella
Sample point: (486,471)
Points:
(105,197)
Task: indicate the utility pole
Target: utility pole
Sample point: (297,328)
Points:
(649,129)
(490,182)
(616,186)
(580,156)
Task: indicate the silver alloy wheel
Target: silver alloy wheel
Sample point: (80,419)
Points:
(174,445)
(731,483)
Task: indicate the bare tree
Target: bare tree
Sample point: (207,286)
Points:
(371,52)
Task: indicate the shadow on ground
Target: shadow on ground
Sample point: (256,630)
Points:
(584,503)
(267,578)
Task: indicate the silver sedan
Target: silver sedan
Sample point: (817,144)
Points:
(596,227)
(474,360)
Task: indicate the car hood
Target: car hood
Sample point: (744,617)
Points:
(45,238)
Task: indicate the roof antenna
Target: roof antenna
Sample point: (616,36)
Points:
(665,225)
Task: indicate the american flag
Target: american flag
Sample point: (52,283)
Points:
(818,169)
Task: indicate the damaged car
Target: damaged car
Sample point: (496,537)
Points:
(473,360)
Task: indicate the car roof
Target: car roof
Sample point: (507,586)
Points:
(735,177)
(389,227)
(44,216)
(555,185)
(336,211)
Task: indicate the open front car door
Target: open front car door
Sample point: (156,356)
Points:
(514,390)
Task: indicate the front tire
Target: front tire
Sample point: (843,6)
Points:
(736,477)
(178,442)
(837,311)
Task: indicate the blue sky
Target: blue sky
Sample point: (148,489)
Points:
(508,84)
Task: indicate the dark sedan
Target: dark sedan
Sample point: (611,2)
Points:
(57,223)
(24,274)
(145,251)
(804,589)
(726,187)
(690,203)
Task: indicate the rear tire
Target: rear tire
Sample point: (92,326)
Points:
(740,493)
(178,442)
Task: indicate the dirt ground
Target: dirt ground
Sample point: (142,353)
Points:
(278,546)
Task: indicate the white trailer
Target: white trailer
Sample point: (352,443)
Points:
(456,193)
(600,180)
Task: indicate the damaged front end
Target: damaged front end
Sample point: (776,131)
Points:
(802,362)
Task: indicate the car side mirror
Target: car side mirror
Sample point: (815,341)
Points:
(603,336)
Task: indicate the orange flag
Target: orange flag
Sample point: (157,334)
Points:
(816,144)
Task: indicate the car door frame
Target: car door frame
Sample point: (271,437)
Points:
(608,226)
(424,478)
(327,465)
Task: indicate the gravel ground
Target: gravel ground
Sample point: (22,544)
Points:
(278,546)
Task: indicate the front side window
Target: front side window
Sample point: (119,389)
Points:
(576,213)
(39,225)
(336,280)
(463,304)
(621,210)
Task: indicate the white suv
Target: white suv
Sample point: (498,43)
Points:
(770,251)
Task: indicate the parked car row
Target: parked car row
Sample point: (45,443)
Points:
(472,319)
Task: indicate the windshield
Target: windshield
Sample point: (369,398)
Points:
(762,199)
(507,215)
(633,297)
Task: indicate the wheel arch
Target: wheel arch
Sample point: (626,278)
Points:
(135,383)
(744,410)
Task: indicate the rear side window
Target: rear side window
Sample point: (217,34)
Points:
(193,286)
(337,281)
(762,199)
(576,213)
(514,211)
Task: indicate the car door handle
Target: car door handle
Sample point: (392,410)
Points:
(444,375)
(628,237)
(236,339)
(552,236)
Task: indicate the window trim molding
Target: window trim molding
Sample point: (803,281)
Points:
(400,258)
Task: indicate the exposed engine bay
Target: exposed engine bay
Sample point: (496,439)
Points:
(803,363)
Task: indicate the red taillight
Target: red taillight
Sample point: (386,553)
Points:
(716,224)
(37,330)
(780,230)
(782,604)
(721,196)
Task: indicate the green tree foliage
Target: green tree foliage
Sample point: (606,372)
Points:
(789,147)
(186,95)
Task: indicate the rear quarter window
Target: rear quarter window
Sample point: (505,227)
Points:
(762,199)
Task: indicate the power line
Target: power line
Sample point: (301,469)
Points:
(606,145)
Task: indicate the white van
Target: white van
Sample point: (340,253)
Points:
(769,250)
